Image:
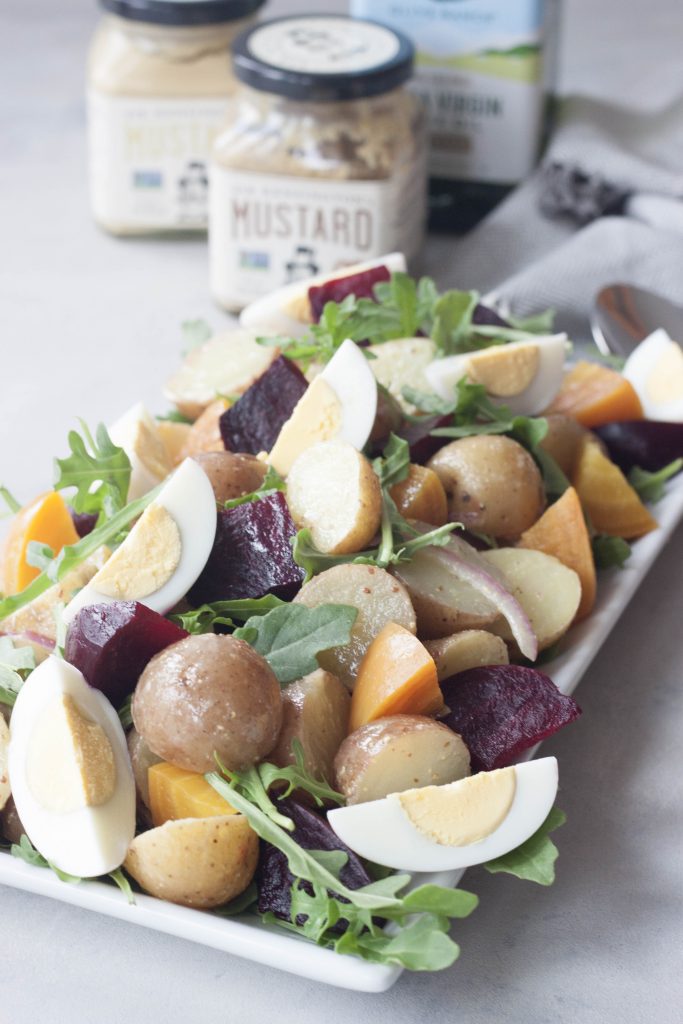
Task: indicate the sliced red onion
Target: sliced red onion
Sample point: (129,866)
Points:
(469,566)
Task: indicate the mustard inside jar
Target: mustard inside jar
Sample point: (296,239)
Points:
(321,163)
(159,79)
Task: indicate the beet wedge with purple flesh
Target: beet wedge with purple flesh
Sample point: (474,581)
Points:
(502,710)
(251,555)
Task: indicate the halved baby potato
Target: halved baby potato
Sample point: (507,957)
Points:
(315,711)
(547,590)
(469,649)
(226,364)
(196,862)
(205,433)
(4,773)
(443,603)
(379,599)
(333,490)
(398,752)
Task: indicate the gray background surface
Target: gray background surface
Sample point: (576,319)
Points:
(88,325)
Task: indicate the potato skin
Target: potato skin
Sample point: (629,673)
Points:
(141,760)
(493,484)
(396,753)
(196,862)
(379,599)
(470,649)
(230,474)
(205,433)
(208,693)
(316,713)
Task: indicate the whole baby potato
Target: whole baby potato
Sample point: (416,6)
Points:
(231,475)
(208,694)
(493,484)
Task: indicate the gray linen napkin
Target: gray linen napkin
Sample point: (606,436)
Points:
(533,262)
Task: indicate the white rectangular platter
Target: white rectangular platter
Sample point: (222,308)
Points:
(246,936)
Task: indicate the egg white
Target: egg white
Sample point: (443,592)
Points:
(640,366)
(189,499)
(123,433)
(269,313)
(382,832)
(89,841)
(350,376)
(444,374)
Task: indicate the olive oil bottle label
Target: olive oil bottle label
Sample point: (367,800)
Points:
(149,160)
(479,72)
(267,230)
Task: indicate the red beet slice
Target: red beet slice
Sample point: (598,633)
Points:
(251,555)
(487,317)
(502,710)
(84,522)
(112,643)
(650,444)
(253,423)
(361,285)
(274,879)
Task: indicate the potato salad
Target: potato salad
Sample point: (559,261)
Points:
(282,650)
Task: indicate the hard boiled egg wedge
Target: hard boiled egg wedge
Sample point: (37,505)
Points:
(4,774)
(287,311)
(164,553)
(440,828)
(70,772)
(136,432)
(523,375)
(655,369)
(339,404)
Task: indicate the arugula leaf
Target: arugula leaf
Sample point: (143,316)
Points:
(312,561)
(125,713)
(98,469)
(394,465)
(475,414)
(39,555)
(453,321)
(538,323)
(290,637)
(240,903)
(610,551)
(534,860)
(16,663)
(222,613)
(337,323)
(298,777)
(73,554)
(26,851)
(174,416)
(650,486)
(418,943)
(13,506)
(195,333)
(428,404)
(124,885)
(272,482)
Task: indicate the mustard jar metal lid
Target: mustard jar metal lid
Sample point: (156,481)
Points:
(182,12)
(322,58)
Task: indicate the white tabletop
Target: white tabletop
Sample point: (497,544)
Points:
(89,325)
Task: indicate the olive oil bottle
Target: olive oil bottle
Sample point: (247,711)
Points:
(483,71)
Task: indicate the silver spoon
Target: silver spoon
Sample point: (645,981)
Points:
(623,315)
